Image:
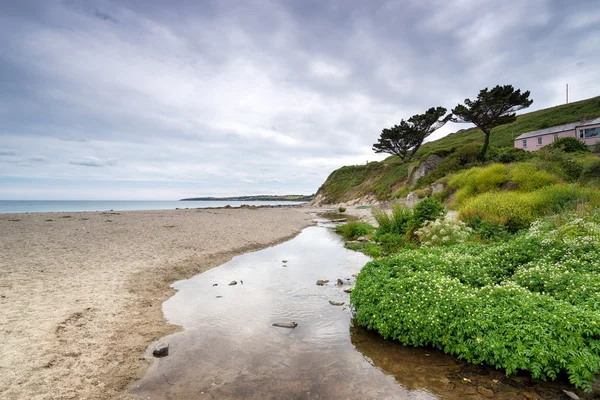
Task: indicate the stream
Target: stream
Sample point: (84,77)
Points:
(229,348)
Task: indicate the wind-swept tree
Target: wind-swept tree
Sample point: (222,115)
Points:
(400,139)
(492,108)
(395,140)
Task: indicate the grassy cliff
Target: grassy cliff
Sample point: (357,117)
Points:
(386,179)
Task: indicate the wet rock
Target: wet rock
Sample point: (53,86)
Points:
(321,282)
(349,289)
(470,390)
(284,261)
(232,283)
(339,220)
(354,275)
(571,395)
(340,282)
(336,303)
(284,265)
(215,284)
(218,297)
(485,391)
(160,350)
(289,325)
(362,239)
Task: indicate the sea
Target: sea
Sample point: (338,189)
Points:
(25,206)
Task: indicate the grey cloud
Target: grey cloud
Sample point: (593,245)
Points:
(206,92)
(7,152)
(93,162)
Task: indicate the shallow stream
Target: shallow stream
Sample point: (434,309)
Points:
(229,348)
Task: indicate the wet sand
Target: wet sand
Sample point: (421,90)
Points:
(81,293)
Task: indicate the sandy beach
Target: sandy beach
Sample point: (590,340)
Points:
(81,293)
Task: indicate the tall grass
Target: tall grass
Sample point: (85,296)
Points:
(397,222)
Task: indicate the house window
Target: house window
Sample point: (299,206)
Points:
(540,140)
(589,133)
(525,143)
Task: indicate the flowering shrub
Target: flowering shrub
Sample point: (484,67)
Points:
(443,232)
(531,303)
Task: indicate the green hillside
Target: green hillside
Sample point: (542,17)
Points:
(386,179)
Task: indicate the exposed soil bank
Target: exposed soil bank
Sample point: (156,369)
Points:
(81,293)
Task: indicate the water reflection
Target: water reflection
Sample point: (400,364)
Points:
(230,350)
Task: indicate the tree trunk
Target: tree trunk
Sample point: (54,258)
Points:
(486,143)
(412,154)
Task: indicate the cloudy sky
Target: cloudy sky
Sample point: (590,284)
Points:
(140,99)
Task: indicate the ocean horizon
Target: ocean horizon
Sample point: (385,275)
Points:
(30,206)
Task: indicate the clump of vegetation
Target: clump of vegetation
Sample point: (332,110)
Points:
(517,210)
(354,229)
(65,216)
(443,232)
(570,145)
(369,248)
(341,209)
(530,303)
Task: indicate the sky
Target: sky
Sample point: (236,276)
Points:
(143,99)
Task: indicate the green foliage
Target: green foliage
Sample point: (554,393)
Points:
(369,248)
(354,229)
(341,209)
(443,232)
(509,155)
(526,177)
(530,303)
(570,145)
(375,178)
(410,134)
(427,209)
(402,192)
(490,109)
(397,222)
(591,172)
(517,210)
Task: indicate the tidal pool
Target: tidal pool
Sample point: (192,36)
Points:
(230,350)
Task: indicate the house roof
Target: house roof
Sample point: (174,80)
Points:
(546,131)
(558,128)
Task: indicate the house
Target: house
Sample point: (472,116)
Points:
(586,131)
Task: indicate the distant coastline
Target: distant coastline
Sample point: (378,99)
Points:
(289,197)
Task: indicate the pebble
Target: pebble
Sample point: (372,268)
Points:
(485,391)
(349,289)
(160,350)
(289,325)
(336,303)
(232,283)
(571,395)
(321,282)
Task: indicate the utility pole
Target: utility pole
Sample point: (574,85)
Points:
(567,92)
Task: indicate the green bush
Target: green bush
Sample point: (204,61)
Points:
(530,303)
(512,154)
(341,209)
(443,232)
(591,172)
(570,145)
(478,180)
(427,209)
(354,229)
